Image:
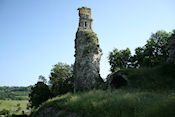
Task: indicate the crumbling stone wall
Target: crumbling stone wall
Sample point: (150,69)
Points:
(117,80)
(87,54)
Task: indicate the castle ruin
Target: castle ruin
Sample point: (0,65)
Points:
(87,54)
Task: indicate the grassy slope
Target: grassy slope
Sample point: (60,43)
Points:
(150,94)
(160,77)
(118,103)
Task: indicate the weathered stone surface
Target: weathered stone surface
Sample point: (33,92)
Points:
(117,80)
(171,49)
(87,54)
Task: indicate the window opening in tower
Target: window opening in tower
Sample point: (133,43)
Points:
(85,24)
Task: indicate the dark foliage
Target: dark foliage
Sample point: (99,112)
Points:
(4,112)
(39,93)
(118,81)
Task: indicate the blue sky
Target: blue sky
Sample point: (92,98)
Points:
(36,34)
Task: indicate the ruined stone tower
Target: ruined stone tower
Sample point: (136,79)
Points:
(87,54)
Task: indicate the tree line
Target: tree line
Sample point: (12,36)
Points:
(153,53)
(14,93)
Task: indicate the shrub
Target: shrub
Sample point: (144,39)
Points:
(39,93)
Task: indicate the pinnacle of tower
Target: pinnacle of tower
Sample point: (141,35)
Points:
(85,20)
(85,10)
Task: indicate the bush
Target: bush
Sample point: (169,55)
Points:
(39,93)
(5,112)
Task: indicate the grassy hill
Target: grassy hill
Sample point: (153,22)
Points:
(151,93)
(118,103)
(161,77)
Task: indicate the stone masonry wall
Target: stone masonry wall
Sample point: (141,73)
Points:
(87,58)
(87,54)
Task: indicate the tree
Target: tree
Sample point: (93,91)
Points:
(42,79)
(154,52)
(119,59)
(61,79)
(39,93)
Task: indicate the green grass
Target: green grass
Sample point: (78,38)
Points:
(22,97)
(160,77)
(118,103)
(12,104)
(151,93)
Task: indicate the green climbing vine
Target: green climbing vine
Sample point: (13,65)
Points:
(91,41)
(91,37)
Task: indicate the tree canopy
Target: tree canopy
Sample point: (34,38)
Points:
(153,53)
(61,79)
(119,59)
(39,93)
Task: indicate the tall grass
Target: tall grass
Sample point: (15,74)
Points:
(151,93)
(118,103)
(157,78)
